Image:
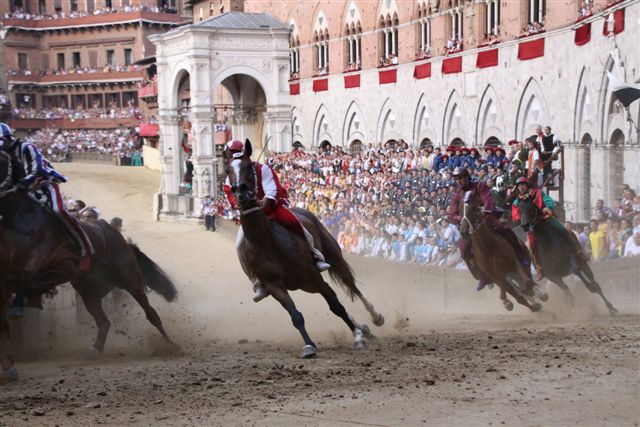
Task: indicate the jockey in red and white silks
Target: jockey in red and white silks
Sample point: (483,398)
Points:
(36,176)
(275,202)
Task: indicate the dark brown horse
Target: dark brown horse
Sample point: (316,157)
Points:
(37,254)
(558,251)
(282,260)
(496,258)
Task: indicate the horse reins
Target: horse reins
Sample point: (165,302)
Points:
(464,217)
(251,210)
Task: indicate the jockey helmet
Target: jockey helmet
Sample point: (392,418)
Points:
(522,180)
(460,171)
(6,136)
(236,147)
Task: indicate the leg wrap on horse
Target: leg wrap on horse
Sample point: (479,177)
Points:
(86,248)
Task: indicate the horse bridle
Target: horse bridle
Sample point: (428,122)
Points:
(252,193)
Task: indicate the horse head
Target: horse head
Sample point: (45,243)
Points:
(242,177)
(470,213)
(529,213)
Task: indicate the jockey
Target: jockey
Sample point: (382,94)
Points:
(40,180)
(466,189)
(275,201)
(546,204)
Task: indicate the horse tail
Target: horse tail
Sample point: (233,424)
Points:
(342,273)
(154,276)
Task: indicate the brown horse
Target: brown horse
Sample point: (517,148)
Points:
(37,254)
(495,257)
(282,261)
(558,252)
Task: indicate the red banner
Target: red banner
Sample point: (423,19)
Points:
(531,49)
(149,129)
(422,71)
(618,25)
(351,80)
(487,58)
(294,88)
(583,34)
(452,65)
(387,76)
(320,85)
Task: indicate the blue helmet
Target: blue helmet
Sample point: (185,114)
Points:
(6,136)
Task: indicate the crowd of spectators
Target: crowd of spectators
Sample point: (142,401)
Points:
(391,202)
(454,45)
(108,68)
(390,59)
(22,14)
(531,29)
(585,10)
(57,145)
(76,114)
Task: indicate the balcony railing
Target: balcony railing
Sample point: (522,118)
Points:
(80,77)
(150,91)
(93,20)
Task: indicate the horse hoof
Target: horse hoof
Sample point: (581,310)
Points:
(366,332)
(536,307)
(612,311)
(378,320)
(508,305)
(359,345)
(540,293)
(308,351)
(94,353)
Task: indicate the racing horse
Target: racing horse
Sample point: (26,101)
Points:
(558,252)
(37,254)
(495,257)
(282,261)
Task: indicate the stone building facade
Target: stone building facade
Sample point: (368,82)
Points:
(375,71)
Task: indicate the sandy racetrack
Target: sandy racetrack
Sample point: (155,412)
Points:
(239,364)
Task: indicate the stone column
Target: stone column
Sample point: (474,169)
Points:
(278,125)
(170,138)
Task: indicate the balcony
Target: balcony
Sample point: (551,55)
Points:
(117,18)
(84,78)
(150,91)
(93,123)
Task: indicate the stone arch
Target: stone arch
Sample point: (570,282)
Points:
(320,24)
(424,143)
(610,111)
(489,122)
(295,32)
(614,170)
(583,111)
(297,130)
(583,178)
(322,127)
(177,77)
(387,9)
(352,16)
(356,147)
(532,110)
(353,126)
(423,121)
(261,78)
(387,123)
(454,124)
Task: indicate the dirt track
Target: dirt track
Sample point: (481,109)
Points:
(239,364)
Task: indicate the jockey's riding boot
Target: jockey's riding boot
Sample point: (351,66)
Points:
(536,263)
(321,264)
(260,292)
(484,281)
